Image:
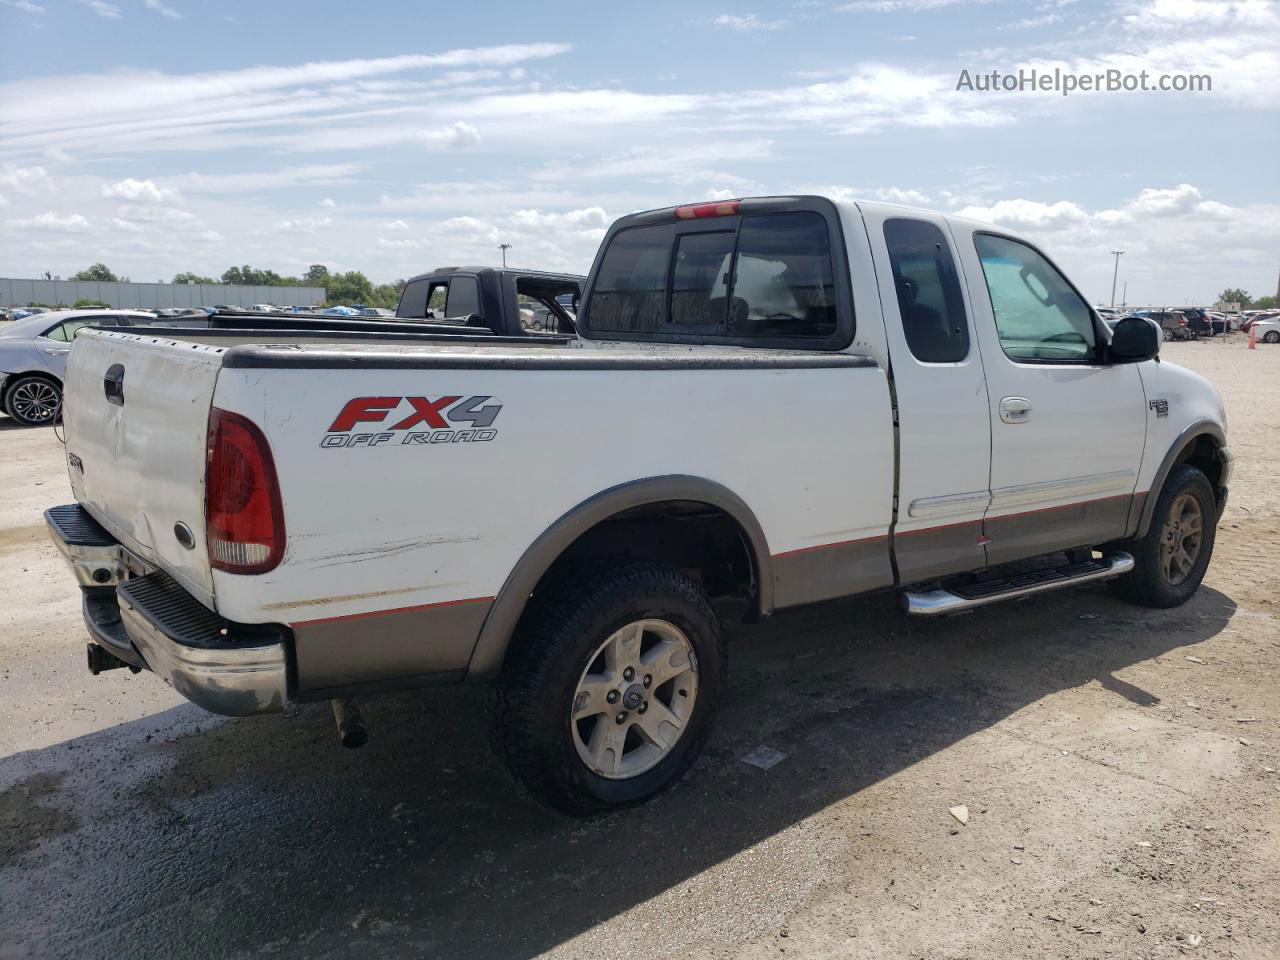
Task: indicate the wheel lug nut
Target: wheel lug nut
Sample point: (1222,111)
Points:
(643,706)
(628,674)
(622,717)
(613,696)
(648,680)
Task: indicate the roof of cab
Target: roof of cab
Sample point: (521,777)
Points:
(545,274)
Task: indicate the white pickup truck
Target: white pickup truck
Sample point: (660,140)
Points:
(782,400)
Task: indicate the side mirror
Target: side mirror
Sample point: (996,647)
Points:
(1134,340)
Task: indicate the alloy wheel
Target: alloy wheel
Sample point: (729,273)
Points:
(634,699)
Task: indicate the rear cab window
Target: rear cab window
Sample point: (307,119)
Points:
(770,273)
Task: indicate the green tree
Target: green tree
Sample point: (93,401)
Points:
(99,271)
(317,275)
(350,287)
(1265,303)
(387,295)
(191,278)
(253,277)
(1234,295)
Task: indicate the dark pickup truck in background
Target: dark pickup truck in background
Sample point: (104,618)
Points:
(509,302)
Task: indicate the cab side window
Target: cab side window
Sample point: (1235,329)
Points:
(1039,317)
(929,298)
(64,331)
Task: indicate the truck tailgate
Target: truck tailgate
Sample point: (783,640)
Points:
(136,417)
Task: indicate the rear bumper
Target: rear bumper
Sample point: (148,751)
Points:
(143,617)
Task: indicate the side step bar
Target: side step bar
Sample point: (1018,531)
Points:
(933,603)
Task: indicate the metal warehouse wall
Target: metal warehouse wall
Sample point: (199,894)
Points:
(18,293)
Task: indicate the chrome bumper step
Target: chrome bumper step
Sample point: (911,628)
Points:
(933,603)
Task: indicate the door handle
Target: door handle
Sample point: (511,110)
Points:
(1015,409)
(53,353)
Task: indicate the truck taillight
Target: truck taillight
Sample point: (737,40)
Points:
(244,519)
(696,211)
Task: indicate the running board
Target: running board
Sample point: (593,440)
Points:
(933,603)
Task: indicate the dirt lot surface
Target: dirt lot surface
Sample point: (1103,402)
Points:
(1119,767)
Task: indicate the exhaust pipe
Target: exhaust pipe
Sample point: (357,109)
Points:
(351,729)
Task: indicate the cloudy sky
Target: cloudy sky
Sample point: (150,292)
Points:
(392,137)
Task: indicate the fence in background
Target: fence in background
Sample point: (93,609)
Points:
(19,293)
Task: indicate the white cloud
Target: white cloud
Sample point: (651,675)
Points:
(395,225)
(329,203)
(1164,233)
(745,22)
(55,222)
(26,6)
(303,224)
(145,190)
(1027,214)
(458,134)
(316,174)
(4,201)
(161,9)
(895,6)
(103,9)
(145,109)
(145,213)
(26,180)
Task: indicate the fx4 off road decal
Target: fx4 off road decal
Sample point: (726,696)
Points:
(409,421)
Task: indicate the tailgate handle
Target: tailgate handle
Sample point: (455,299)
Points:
(113,384)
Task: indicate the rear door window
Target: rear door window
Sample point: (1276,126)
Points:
(929,298)
(767,277)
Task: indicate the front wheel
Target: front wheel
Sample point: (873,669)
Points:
(33,401)
(610,691)
(1171,560)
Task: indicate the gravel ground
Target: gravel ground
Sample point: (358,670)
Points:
(1123,798)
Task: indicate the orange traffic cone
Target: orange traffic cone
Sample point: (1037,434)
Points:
(1253,336)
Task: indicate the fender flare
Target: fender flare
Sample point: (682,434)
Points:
(1184,440)
(510,603)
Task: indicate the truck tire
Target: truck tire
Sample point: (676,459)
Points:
(1170,561)
(33,401)
(610,690)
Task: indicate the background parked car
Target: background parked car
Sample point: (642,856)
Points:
(1268,331)
(33,359)
(1198,321)
(1172,322)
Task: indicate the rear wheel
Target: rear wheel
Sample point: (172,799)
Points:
(33,401)
(1271,336)
(1168,334)
(610,693)
(1171,560)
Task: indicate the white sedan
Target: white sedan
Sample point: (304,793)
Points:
(1268,331)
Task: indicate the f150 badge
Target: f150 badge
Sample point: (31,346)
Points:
(408,421)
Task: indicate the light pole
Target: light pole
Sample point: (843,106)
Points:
(1124,297)
(1115,273)
(504,247)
